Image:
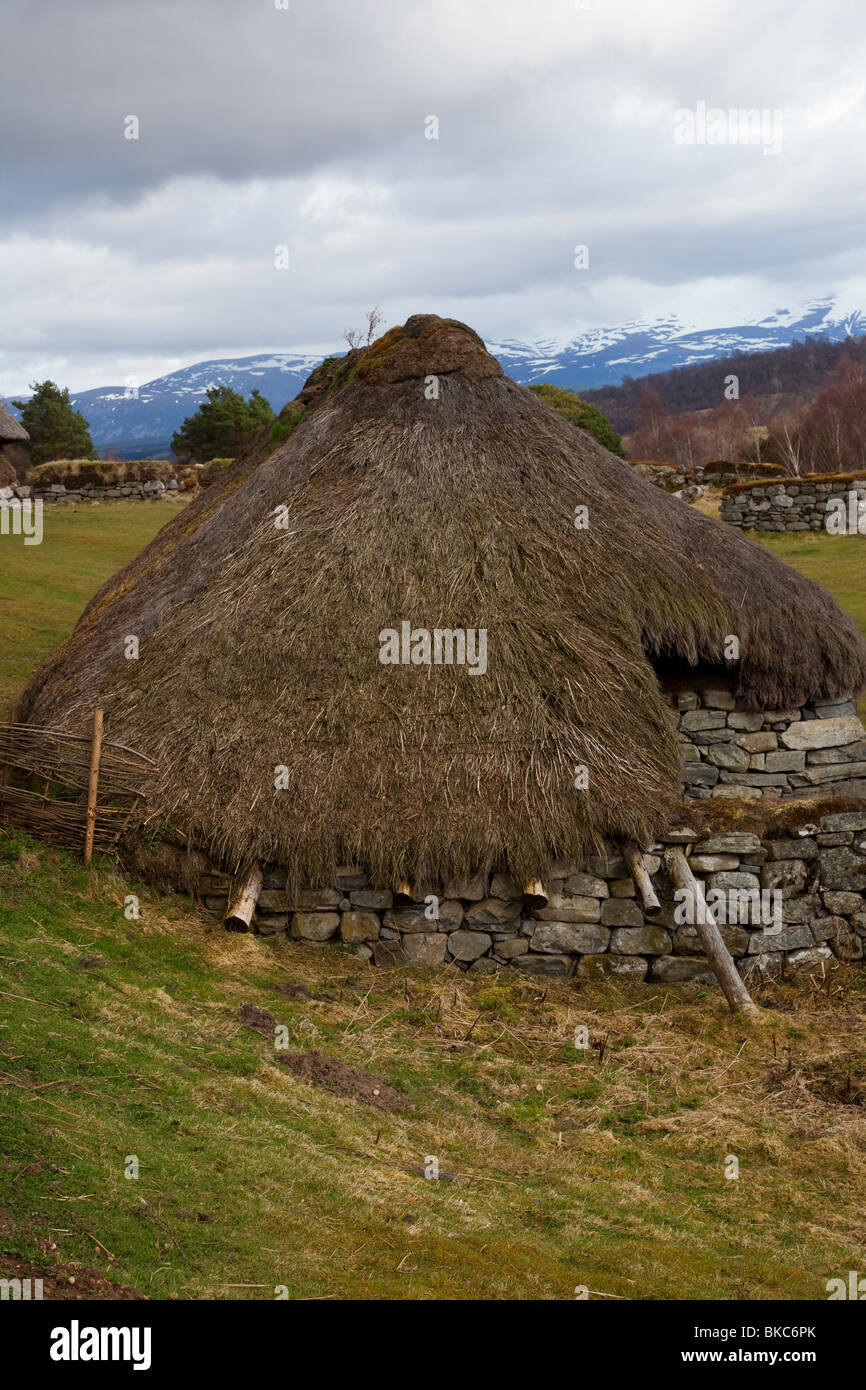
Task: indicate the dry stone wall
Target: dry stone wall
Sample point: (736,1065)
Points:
(797,504)
(788,903)
(730,751)
(59,494)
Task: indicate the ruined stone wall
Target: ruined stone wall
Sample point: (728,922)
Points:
(593,923)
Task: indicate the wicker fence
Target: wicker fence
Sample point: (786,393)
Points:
(46,776)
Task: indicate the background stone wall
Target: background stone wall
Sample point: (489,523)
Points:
(795,504)
(730,751)
(593,923)
(59,494)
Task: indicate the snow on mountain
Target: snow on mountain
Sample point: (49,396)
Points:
(136,423)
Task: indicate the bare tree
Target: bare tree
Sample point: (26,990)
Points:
(356,337)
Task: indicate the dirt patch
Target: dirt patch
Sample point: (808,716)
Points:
(254,1016)
(301,992)
(67,1282)
(344,1080)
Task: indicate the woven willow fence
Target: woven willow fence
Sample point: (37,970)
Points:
(75,789)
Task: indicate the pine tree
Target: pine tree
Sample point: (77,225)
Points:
(56,430)
(222,426)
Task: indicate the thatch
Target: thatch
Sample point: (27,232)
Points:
(10,428)
(260,648)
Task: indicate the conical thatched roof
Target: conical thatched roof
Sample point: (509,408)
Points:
(259,646)
(10,428)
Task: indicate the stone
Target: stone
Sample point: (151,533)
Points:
(389,934)
(501,886)
(828,928)
(849,753)
(847,820)
(763,742)
(703,719)
(842,868)
(622,888)
(359,926)
(512,947)
(585,886)
(824,733)
(736,842)
(648,940)
(799,910)
(216,904)
(312,900)
(840,903)
(315,926)
(491,912)
(832,838)
(569,907)
(789,874)
(687,699)
(621,912)
(582,938)
(761,967)
(274,900)
(550,966)
(755,779)
(689,753)
(712,863)
(675,970)
(790,938)
(387,953)
(786,760)
(803,848)
(469,945)
(746,720)
(728,756)
(349,876)
(831,772)
(727,879)
(713,697)
(468,889)
(737,791)
(687,941)
(814,955)
(426,948)
(485,965)
(409,919)
(608,866)
(835,711)
(700,775)
(622,967)
(377,899)
(273,877)
(271,923)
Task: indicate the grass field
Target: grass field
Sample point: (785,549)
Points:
(560,1168)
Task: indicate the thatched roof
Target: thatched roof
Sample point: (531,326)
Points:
(10,428)
(260,646)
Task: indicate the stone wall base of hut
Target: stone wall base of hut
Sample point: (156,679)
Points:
(785,905)
(733,752)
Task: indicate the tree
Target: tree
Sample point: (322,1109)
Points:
(56,430)
(356,338)
(222,426)
(581,413)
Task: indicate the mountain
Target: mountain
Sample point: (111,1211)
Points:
(135,426)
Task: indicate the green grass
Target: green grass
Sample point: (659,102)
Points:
(603,1168)
(837,562)
(43,588)
(562,1168)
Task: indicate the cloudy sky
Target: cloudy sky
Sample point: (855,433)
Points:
(261,126)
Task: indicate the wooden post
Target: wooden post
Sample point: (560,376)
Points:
(93,785)
(241,910)
(638,870)
(717,953)
(535,893)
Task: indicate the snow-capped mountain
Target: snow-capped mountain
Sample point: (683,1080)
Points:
(139,423)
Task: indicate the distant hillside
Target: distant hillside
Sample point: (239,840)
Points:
(786,377)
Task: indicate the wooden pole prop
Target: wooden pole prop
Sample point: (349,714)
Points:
(638,870)
(240,913)
(93,785)
(535,893)
(4,774)
(717,953)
